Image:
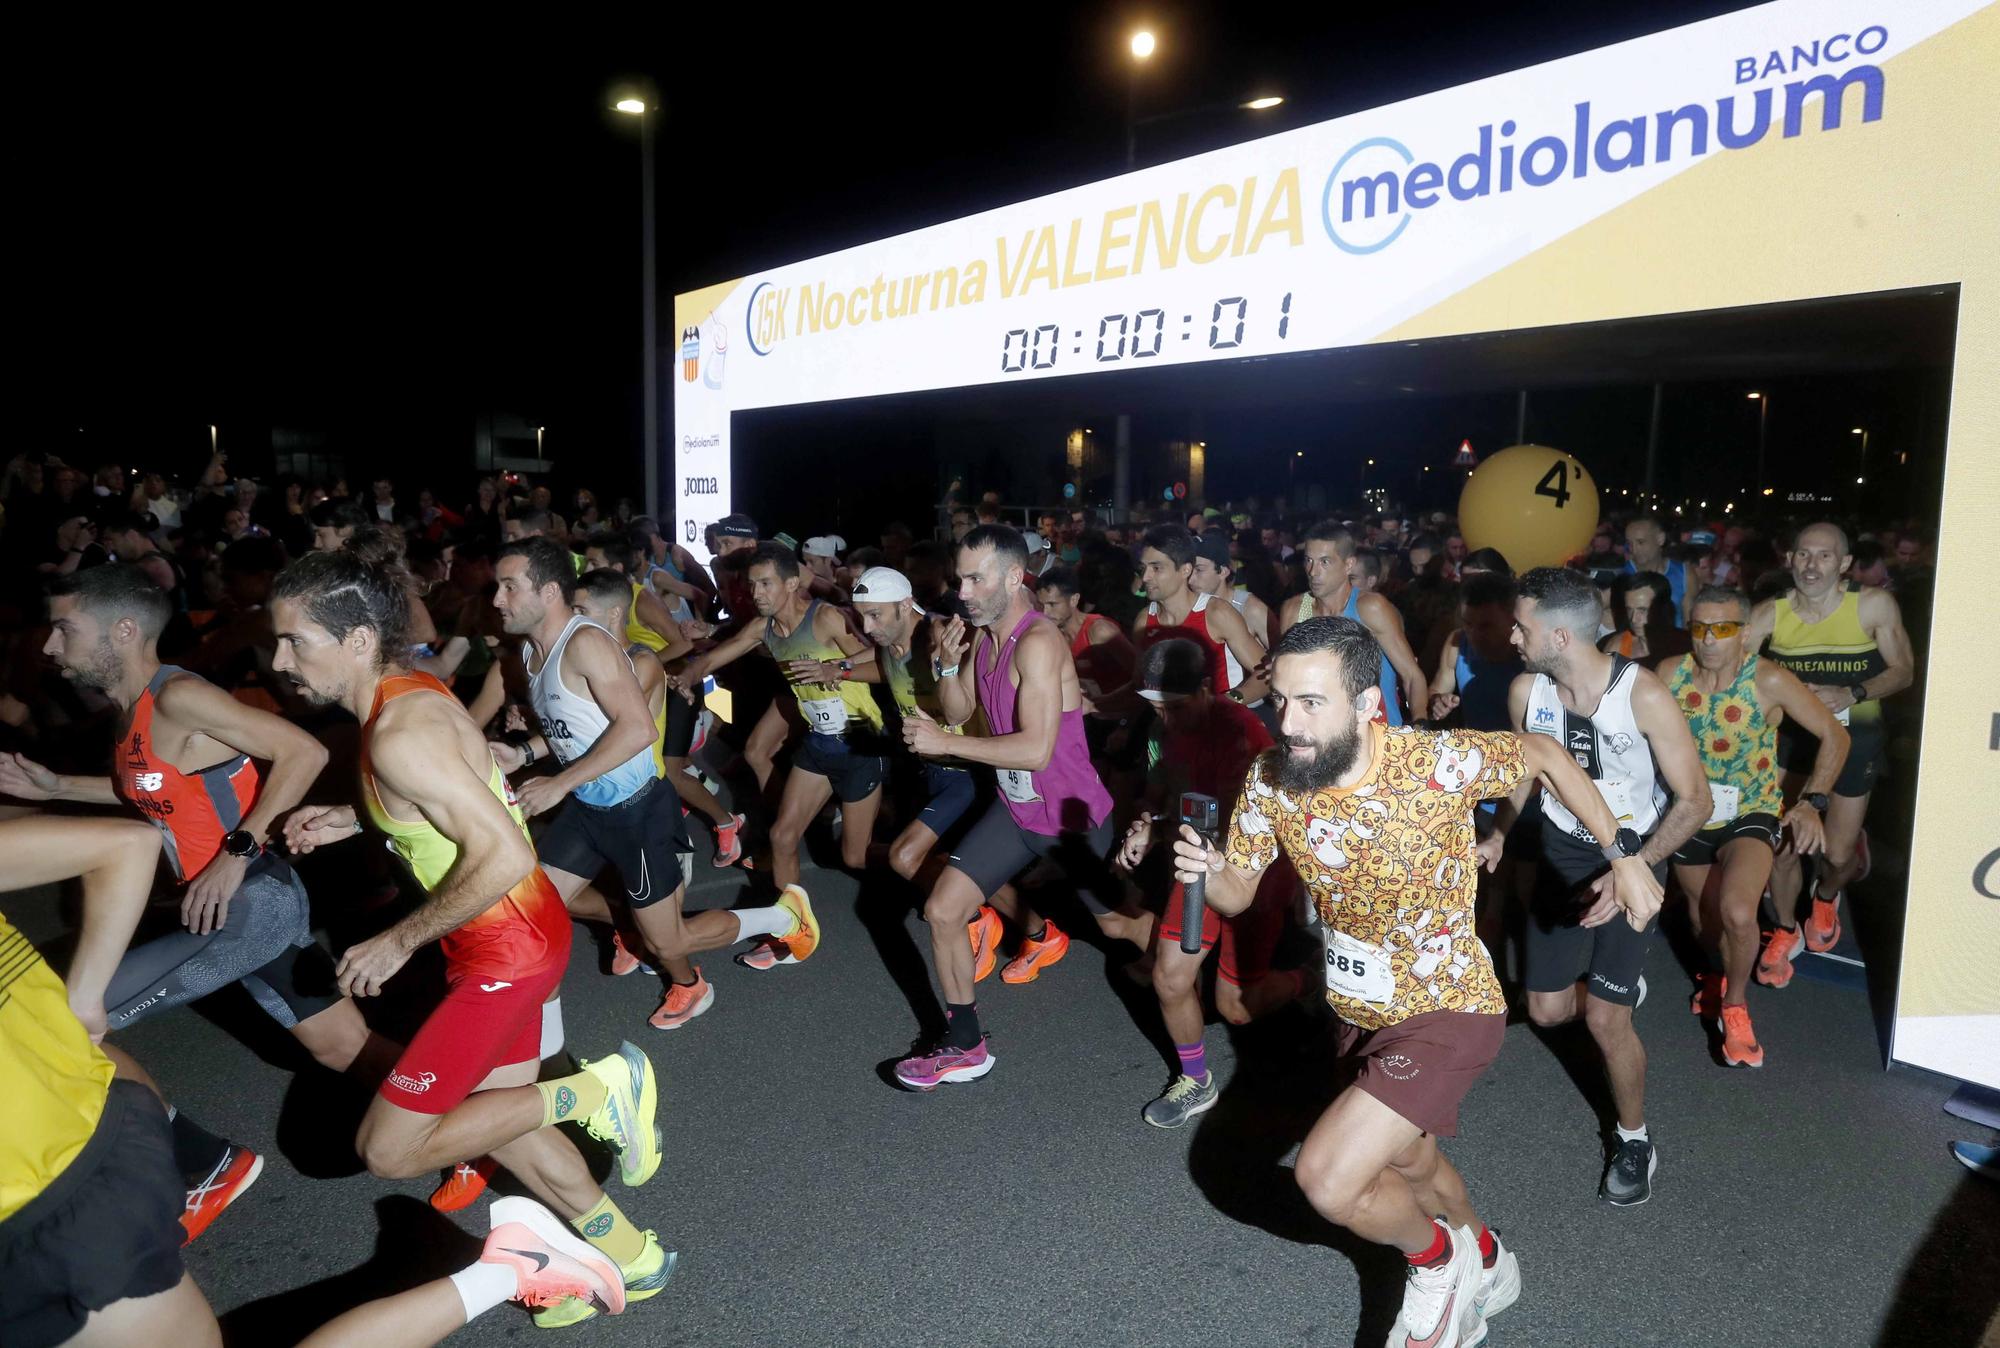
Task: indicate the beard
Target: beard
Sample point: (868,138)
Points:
(1330,762)
(99,669)
(1542,662)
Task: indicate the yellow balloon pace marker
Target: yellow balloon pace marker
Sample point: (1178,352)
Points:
(1536,505)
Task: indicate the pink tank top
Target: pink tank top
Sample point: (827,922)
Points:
(1064,797)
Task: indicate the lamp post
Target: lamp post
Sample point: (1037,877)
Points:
(1763,401)
(1861,468)
(637,107)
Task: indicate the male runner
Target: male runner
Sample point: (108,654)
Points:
(667,644)
(1328,551)
(1646,550)
(1378,823)
(1166,570)
(183,761)
(1621,725)
(842,756)
(1215,574)
(1735,702)
(1019,673)
(1850,648)
(465,1086)
(1204,743)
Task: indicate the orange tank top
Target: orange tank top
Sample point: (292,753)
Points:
(192,810)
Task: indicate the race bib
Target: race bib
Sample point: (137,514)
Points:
(1357,970)
(1618,796)
(1018,785)
(1728,802)
(825,716)
(1842,715)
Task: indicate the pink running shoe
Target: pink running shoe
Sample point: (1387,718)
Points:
(728,842)
(623,961)
(550,1261)
(932,1068)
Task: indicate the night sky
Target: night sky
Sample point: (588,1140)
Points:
(380,231)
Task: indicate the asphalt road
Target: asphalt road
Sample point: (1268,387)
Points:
(1812,1202)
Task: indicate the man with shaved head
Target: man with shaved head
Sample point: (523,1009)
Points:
(1646,546)
(1847,644)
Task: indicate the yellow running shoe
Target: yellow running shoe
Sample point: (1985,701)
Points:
(626,1119)
(804,939)
(645,1277)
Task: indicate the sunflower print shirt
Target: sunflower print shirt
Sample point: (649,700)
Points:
(1738,742)
(1389,864)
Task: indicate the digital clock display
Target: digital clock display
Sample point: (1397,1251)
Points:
(1140,335)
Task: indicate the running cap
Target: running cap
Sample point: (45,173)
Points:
(825,545)
(1173,668)
(736,526)
(882,585)
(1215,547)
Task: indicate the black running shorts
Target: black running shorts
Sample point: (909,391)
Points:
(1706,845)
(628,837)
(997,849)
(108,1228)
(1559,949)
(854,775)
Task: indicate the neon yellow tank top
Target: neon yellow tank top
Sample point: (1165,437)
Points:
(830,709)
(1834,650)
(636,652)
(636,632)
(52,1077)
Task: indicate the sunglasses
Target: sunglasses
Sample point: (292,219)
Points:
(1720,631)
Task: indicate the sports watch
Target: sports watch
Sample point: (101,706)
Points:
(1818,801)
(1625,844)
(238,843)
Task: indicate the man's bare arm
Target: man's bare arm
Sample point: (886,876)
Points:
(296,758)
(1666,730)
(1038,657)
(1382,619)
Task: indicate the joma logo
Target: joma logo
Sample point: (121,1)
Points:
(702,486)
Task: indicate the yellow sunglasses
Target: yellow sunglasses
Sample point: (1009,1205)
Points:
(1720,631)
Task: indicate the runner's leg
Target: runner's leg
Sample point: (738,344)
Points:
(1746,868)
(1624,1057)
(857,828)
(767,737)
(179,1315)
(805,792)
(1348,1170)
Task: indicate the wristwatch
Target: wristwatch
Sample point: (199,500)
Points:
(1817,800)
(1625,844)
(238,843)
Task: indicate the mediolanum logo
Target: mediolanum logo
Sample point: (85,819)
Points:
(1379,185)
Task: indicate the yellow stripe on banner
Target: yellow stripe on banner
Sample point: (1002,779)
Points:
(692,309)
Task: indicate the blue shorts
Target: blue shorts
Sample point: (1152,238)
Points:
(854,775)
(951,792)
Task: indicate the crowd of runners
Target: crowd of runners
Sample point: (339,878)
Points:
(1415,788)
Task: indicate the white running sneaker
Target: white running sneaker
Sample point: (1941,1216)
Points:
(1499,1286)
(1440,1304)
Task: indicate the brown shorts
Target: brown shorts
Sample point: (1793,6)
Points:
(1422,1067)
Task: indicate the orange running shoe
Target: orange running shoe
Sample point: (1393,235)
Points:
(1823,927)
(1708,992)
(985,933)
(803,939)
(462,1187)
(683,1004)
(1739,1044)
(551,1262)
(230,1180)
(623,961)
(1782,946)
(1035,956)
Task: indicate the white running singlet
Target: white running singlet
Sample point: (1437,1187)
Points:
(1610,748)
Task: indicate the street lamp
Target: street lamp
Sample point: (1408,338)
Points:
(1260,104)
(637,107)
(1763,402)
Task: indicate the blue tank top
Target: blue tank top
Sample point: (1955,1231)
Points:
(1392,704)
(1482,689)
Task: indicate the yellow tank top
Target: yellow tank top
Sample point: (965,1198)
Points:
(428,853)
(52,1077)
(636,632)
(636,652)
(1834,650)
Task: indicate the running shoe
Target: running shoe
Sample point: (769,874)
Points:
(626,1119)
(1739,1043)
(941,1063)
(1187,1097)
(623,961)
(683,1004)
(728,842)
(1035,956)
(552,1264)
(1440,1305)
(1823,927)
(803,939)
(985,933)
(1628,1180)
(230,1180)
(1499,1286)
(1980,1159)
(1781,948)
(644,1277)
(462,1186)
(768,953)
(1708,991)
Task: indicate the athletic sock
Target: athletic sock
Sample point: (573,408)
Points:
(772,921)
(1635,1135)
(1439,1252)
(484,1286)
(963,1028)
(1038,935)
(197,1152)
(1194,1058)
(576,1096)
(611,1231)
(1489,1249)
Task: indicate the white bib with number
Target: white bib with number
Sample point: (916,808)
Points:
(826,716)
(1728,801)
(1842,715)
(1018,785)
(1358,970)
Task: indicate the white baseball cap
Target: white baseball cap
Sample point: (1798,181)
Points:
(825,545)
(882,585)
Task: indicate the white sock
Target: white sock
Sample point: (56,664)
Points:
(772,921)
(484,1286)
(552,1027)
(1635,1135)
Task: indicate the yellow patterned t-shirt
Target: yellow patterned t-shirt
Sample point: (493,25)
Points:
(1389,863)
